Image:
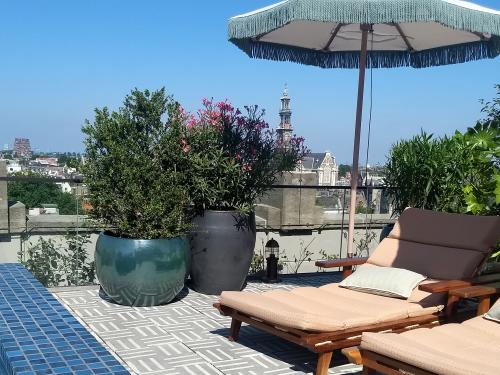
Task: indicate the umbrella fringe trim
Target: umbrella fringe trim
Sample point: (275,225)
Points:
(372,12)
(454,54)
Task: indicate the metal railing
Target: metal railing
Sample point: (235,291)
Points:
(309,222)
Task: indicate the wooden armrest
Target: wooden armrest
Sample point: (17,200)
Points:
(481,292)
(344,262)
(458,289)
(444,286)
(447,285)
(474,291)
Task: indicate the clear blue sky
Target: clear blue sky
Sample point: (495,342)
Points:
(61,59)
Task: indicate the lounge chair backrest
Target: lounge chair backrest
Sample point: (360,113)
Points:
(439,245)
(471,232)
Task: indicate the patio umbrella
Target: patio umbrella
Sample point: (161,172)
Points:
(335,34)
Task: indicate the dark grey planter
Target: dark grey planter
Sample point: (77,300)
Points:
(222,245)
(141,272)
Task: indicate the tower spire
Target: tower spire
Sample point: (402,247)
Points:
(285,127)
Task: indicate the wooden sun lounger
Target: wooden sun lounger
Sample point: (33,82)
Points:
(404,248)
(325,343)
(374,362)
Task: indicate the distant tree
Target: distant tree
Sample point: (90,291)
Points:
(362,209)
(35,193)
(343,169)
(73,163)
(62,159)
(67,204)
(69,160)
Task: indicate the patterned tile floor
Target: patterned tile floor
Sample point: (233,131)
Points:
(188,336)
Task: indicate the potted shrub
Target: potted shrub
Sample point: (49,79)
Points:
(235,158)
(452,174)
(417,174)
(133,172)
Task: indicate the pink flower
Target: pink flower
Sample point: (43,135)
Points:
(225,106)
(246,168)
(237,156)
(214,115)
(191,122)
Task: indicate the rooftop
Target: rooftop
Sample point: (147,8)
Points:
(189,336)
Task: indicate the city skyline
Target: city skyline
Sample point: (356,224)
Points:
(67,59)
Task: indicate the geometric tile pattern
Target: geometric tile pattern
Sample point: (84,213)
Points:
(39,336)
(189,337)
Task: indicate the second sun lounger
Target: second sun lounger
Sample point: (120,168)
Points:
(469,348)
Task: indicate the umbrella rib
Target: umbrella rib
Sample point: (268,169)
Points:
(480,35)
(405,39)
(259,37)
(334,34)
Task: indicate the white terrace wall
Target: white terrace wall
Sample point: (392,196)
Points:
(293,247)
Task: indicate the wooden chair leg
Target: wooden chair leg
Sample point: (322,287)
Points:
(324,360)
(234,333)
(451,306)
(346,272)
(484,305)
(368,371)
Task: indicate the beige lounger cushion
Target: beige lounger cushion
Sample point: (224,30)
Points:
(425,241)
(470,348)
(429,260)
(323,309)
(427,299)
(477,233)
(485,326)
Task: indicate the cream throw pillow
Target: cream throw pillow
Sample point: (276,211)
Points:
(494,313)
(384,281)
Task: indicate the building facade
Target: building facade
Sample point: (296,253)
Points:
(13,167)
(22,148)
(47,161)
(324,165)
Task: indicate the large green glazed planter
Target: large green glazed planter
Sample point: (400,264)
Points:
(141,272)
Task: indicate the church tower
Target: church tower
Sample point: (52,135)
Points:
(285,128)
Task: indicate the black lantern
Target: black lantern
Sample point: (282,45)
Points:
(272,253)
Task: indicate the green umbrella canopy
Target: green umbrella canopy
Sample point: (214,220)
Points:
(326,33)
(368,33)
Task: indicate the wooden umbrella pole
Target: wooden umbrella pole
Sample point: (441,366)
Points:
(357,135)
